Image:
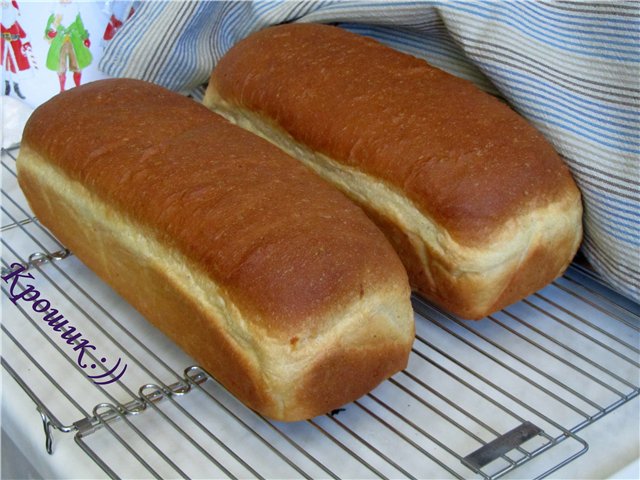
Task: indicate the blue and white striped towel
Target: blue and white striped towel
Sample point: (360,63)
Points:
(573,69)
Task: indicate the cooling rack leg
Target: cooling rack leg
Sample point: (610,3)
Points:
(48,437)
(49,420)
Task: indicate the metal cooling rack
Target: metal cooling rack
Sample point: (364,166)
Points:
(477,400)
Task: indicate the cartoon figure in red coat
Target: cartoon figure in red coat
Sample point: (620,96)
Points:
(15,50)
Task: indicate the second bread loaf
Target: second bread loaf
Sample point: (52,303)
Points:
(478,204)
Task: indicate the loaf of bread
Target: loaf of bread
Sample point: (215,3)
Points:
(269,277)
(478,204)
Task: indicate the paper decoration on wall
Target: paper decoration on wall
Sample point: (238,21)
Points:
(36,61)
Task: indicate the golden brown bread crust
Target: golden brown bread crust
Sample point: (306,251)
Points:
(258,269)
(399,119)
(474,170)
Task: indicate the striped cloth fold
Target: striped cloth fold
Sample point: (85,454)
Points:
(571,68)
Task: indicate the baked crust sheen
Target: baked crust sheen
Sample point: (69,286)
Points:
(483,194)
(271,279)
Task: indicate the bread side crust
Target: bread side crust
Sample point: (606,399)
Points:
(279,380)
(471,281)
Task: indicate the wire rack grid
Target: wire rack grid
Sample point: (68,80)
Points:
(502,397)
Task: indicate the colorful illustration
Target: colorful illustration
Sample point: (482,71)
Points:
(118,13)
(15,49)
(69,49)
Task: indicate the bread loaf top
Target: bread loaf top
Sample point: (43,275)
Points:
(287,248)
(463,157)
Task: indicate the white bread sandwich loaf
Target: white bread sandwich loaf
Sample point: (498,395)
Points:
(478,204)
(269,277)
